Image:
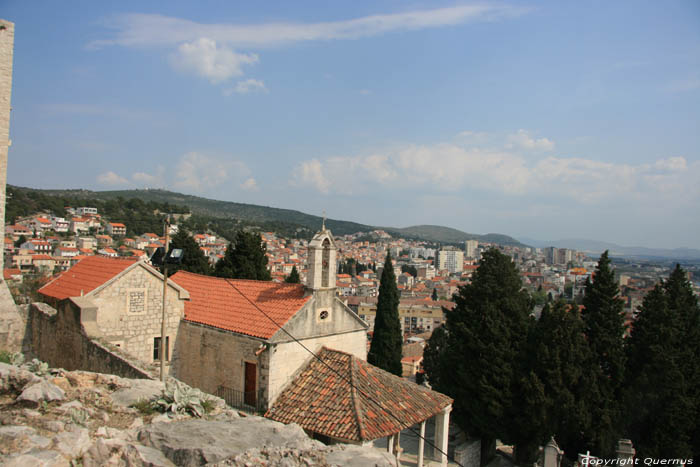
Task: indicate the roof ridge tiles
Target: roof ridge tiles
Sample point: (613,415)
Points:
(356,402)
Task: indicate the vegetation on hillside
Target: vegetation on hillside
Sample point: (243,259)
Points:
(138,215)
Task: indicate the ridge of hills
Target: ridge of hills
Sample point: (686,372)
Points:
(257,214)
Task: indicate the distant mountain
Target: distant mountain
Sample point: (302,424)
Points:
(264,214)
(440,234)
(595,247)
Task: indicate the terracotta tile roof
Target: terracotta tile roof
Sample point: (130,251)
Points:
(320,400)
(88,274)
(222,303)
(10,272)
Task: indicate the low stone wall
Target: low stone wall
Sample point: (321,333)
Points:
(58,338)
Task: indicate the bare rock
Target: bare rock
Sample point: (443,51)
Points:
(14,379)
(15,438)
(37,458)
(358,456)
(73,443)
(104,452)
(140,389)
(197,442)
(56,426)
(81,379)
(139,455)
(42,391)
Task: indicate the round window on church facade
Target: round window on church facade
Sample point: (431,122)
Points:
(324,314)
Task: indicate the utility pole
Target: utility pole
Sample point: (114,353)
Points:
(163,347)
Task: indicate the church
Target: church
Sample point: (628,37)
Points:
(248,339)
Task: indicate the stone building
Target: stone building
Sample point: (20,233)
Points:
(120,302)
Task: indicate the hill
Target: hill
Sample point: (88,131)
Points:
(440,234)
(225,216)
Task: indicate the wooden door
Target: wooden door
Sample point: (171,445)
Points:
(250,386)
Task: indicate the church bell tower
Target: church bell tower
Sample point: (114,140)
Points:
(322,257)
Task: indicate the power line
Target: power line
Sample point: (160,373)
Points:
(228,281)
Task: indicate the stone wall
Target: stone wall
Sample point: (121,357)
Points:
(130,312)
(210,358)
(58,338)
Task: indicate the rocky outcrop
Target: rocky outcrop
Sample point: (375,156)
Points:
(62,418)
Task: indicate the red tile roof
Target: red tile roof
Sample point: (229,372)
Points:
(224,303)
(9,272)
(88,274)
(377,404)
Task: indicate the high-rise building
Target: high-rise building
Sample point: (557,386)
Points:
(470,247)
(451,259)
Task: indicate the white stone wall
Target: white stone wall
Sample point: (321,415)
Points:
(135,331)
(288,358)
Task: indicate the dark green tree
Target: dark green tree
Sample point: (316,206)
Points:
(561,360)
(385,349)
(409,269)
(604,328)
(293,277)
(661,391)
(480,368)
(193,257)
(433,356)
(22,239)
(434,295)
(245,258)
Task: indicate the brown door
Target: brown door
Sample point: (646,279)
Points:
(250,377)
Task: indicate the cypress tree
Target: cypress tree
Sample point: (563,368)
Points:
(193,259)
(661,392)
(244,259)
(487,331)
(434,296)
(604,328)
(385,349)
(561,360)
(293,277)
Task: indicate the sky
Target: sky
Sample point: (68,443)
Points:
(537,119)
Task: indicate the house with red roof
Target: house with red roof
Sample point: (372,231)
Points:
(115,229)
(119,301)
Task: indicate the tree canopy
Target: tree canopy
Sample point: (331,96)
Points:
(479,364)
(245,258)
(661,391)
(385,349)
(604,328)
(193,257)
(293,277)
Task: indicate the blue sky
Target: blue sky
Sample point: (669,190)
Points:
(546,120)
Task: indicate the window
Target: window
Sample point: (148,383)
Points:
(325,258)
(156,348)
(324,314)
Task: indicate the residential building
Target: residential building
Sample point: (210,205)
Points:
(450,259)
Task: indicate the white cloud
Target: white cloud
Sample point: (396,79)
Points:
(671,164)
(247,86)
(148,30)
(112,179)
(150,180)
(452,168)
(250,185)
(198,172)
(311,173)
(206,58)
(523,140)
